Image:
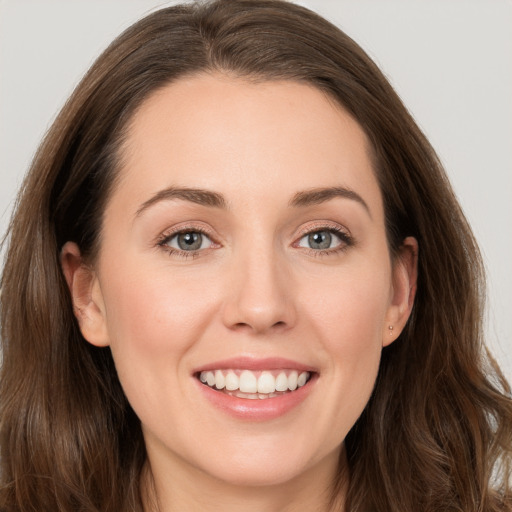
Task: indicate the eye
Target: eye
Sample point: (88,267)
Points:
(188,241)
(323,239)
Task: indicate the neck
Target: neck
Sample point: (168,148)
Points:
(197,491)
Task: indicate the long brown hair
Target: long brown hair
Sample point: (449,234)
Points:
(437,432)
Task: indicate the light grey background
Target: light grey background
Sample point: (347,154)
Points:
(450,61)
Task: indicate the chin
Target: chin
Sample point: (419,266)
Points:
(257,475)
(275,465)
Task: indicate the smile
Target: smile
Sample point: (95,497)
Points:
(254,384)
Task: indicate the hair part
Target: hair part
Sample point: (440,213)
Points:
(437,432)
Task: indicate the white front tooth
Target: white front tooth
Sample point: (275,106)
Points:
(210,379)
(248,383)
(266,383)
(303,377)
(202,377)
(231,381)
(220,381)
(292,381)
(282,382)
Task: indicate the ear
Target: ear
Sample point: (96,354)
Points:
(86,295)
(405,276)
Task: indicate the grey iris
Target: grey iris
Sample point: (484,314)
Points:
(320,240)
(190,241)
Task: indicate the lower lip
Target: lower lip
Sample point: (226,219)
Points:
(257,409)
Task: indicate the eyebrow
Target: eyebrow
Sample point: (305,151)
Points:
(320,195)
(194,195)
(215,200)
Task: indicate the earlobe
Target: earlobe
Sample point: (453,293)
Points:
(86,295)
(405,276)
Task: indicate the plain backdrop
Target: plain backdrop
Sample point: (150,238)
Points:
(450,61)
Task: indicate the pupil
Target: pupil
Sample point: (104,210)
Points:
(189,241)
(320,240)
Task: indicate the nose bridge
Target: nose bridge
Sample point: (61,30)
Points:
(260,297)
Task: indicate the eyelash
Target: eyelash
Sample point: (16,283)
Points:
(347,241)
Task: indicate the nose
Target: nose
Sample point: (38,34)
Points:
(260,294)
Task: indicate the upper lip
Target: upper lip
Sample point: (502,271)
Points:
(255,364)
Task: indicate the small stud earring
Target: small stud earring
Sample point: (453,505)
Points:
(390,330)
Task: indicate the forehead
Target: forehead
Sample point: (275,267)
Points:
(243,138)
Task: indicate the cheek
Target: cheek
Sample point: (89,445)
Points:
(152,308)
(350,308)
(348,318)
(153,319)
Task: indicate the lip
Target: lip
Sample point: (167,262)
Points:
(255,364)
(258,409)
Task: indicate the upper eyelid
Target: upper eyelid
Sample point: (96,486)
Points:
(323,225)
(185,228)
(165,237)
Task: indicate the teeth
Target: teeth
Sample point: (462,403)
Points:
(232,381)
(292,381)
(248,384)
(303,378)
(220,381)
(282,382)
(210,379)
(266,383)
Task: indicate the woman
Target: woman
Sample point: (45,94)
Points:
(237,277)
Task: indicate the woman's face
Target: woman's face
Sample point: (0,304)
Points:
(244,245)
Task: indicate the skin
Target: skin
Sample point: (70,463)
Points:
(256,288)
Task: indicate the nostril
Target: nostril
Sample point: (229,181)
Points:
(241,326)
